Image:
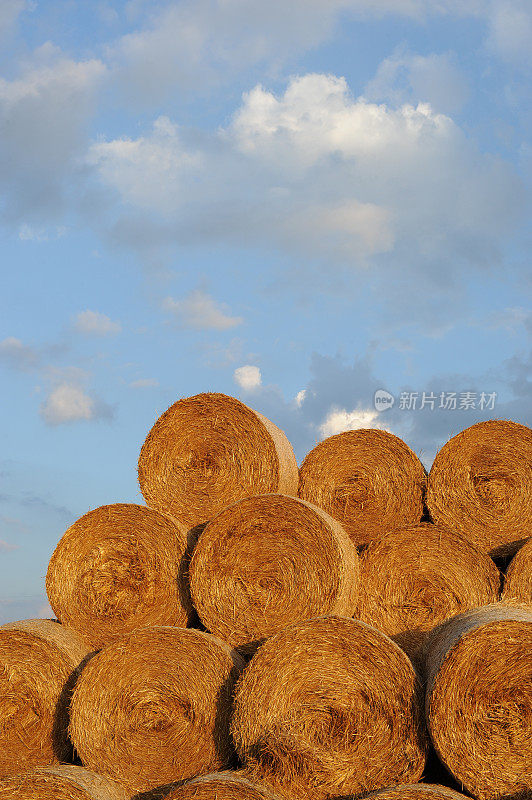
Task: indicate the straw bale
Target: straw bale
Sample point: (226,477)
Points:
(39,660)
(479,700)
(367,479)
(415,577)
(329,707)
(60,783)
(417,791)
(117,568)
(480,484)
(268,561)
(518,581)
(208,451)
(221,786)
(154,706)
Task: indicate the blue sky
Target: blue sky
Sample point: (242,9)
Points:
(295,203)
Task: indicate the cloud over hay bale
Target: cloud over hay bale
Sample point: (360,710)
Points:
(38,663)
(60,783)
(208,451)
(479,700)
(221,786)
(154,706)
(480,484)
(367,479)
(117,568)
(415,577)
(268,561)
(329,707)
(518,581)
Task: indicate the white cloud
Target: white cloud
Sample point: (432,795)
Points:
(30,233)
(94,323)
(300,397)
(200,311)
(339,420)
(248,377)
(511,31)
(144,383)
(17,355)
(10,10)
(69,403)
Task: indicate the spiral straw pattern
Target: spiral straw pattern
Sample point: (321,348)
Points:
(221,786)
(60,783)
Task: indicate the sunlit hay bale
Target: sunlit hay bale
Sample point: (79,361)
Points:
(518,581)
(479,700)
(329,707)
(480,485)
(221,786)
(208,451)
(117,568)
(60,783)
(269,561)
(154,706)
(39,660)
(415,577)
(417,791)
(367,479)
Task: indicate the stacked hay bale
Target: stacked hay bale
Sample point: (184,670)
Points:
(306,577)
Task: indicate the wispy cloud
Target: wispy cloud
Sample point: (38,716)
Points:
(200,311)
(17,355)
(94,323)
(70,403)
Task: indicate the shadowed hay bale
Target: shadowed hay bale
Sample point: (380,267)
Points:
(60,783)
(480,485)
(518,582)
(117,568)
(154,707)
(417,791)
(208,451)
(268,561)
(367,479)
(221,786)
(479,700)
(329,707)
(414,578)
(38,663)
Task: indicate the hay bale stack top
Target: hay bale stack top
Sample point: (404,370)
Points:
(221,786)
(480,484)
(367,479)
(269,561)
(60,783)
(117,568)
(208,451)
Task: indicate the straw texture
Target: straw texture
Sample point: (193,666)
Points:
(154,707)
(329,707)
(38,663)
(208,451)
(60,783)
(269,561)
(518,582)
(479,700)
(480,485)
(417,791)
(221,786)
(415,577)
(117,568)
(367,479)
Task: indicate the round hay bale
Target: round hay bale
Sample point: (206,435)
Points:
(329,707)
(153,707)
(221,786)
(417,791)
(479,700)
(39,660)
(480,485)
(415,577)
(518,581)
(208,451)
(118,568)
(268,561)
(60,783)
(367,479)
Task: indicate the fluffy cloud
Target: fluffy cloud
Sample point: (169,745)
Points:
(200,311)
(339,420)
(248,377)
(69,403)
(94,323)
